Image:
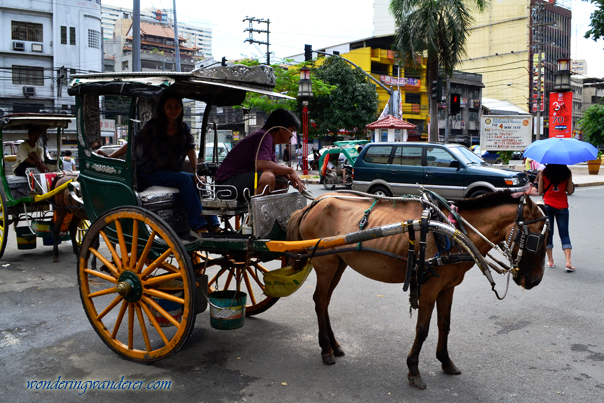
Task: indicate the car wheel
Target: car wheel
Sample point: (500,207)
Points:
(478,192)
(381,191)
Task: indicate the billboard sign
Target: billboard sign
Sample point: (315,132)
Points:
(505,133)
(560,114)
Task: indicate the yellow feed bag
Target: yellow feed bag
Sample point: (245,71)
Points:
(284,282)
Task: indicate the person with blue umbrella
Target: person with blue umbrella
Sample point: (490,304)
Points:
(556,183)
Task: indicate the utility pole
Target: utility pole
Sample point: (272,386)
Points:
(251,31)
(136,35)
(176,42)
(537,25)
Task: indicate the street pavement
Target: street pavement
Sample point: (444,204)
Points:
(541,345)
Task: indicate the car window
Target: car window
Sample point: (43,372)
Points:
(408,155)
(438,157)
(466,156)
(378,154)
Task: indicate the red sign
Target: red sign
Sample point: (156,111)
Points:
(560,114)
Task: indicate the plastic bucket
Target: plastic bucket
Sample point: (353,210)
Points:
(42,228)
(227,309)
(173,287)
(26,239)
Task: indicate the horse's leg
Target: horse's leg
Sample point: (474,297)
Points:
(326,268)
(443,310)
(56,233)
(424,314)
(335,346)
(73,231)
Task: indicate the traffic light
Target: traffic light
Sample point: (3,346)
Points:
(437,89)
(307,53)
(455,104)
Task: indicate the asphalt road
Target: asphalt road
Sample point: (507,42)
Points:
(542,345)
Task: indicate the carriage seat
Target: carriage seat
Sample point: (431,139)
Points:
(18,186)
(159,197)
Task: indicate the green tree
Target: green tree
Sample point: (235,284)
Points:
(597,21)
(287,78)
(351,105)
(437,30)
(592,125)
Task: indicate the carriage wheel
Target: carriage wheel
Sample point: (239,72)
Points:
(3,223)
(251,279)
(141,300)
(82,229)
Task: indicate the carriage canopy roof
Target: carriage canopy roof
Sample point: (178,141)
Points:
(22,121)
(221,86)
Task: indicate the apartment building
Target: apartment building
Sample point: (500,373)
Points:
(41,46)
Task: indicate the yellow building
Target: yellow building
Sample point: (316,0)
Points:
(504,47)
(373,57)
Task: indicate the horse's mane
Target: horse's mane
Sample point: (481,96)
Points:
(488,200)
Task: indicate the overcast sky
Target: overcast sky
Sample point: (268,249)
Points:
(319,23)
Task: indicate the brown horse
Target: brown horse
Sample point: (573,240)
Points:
(494,215)
(64,204)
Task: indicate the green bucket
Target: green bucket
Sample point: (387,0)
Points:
(26,239)
(227,309)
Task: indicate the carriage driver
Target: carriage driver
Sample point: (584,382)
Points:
(30,153)
(239,166)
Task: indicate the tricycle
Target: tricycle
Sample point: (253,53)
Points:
(336,163)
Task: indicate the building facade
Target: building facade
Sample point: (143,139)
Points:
(505,44)
(196,37)
(41,45)
(375,57)
(465,126)
(579,67)
(157,48)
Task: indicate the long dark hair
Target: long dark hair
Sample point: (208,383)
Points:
(161,114)
(556,173)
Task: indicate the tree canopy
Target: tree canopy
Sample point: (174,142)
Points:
(350,105)
(592,125)
(287,78)
(596,30)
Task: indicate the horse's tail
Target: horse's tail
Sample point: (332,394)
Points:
(293,225)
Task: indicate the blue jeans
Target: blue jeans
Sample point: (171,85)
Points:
(561,216)
(185,182)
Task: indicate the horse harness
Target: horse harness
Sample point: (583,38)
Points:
(420,270)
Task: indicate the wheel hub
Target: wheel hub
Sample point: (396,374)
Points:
(129,286)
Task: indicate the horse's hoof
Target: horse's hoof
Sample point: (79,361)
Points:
(338,352)
(452,370)
(328,359)
(416,382)
(55,259)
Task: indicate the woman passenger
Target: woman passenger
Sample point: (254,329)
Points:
(161,147)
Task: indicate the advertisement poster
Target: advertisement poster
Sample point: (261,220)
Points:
(505,133)
(560,114)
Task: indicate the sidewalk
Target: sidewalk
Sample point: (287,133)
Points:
(581,176)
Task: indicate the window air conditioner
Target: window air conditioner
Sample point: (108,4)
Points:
(19,46)
(37,47)
(29,91)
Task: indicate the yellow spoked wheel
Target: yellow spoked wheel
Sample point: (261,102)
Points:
(82,229)
(250,277)
(140,301)
(3,223)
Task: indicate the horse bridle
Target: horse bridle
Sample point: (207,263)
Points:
(531,241)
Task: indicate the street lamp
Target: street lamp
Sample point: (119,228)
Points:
(304,93)
(562,76)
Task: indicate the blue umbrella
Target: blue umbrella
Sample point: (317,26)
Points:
(561,151)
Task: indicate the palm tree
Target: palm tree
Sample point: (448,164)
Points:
(437,29)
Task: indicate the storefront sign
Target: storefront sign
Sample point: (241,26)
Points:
(560,114)
(505,133)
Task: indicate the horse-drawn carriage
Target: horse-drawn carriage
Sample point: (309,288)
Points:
(154,278)
(28,200)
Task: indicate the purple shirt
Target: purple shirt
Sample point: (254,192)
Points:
(241,158)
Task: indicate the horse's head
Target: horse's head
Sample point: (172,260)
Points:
(530,240)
